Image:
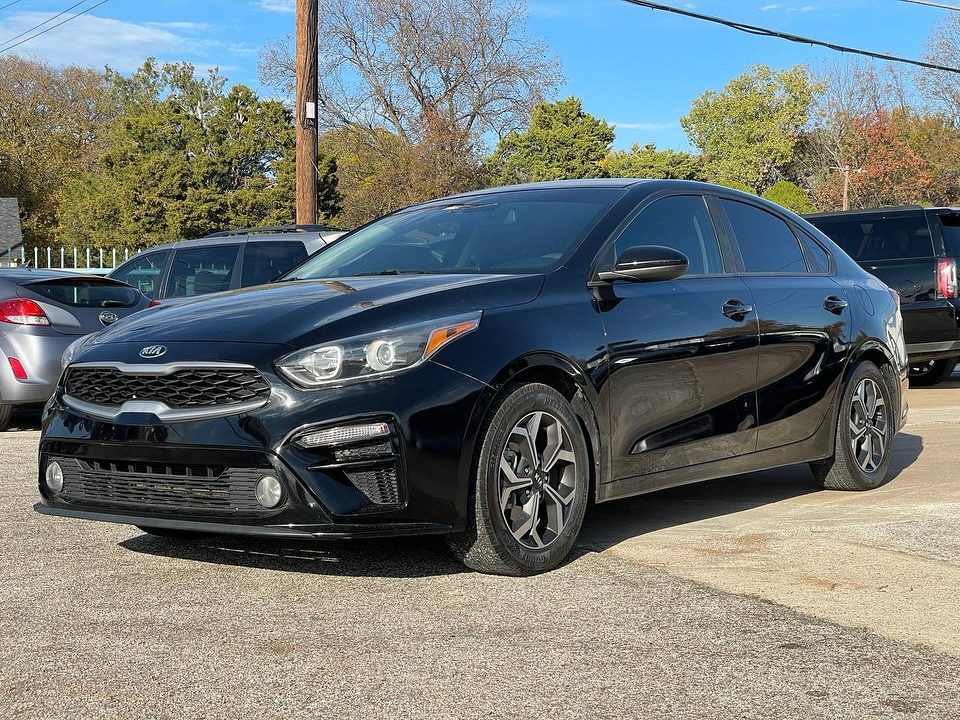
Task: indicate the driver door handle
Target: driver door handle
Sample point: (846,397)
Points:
(736,310)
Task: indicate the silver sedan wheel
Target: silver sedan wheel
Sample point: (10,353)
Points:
(538,471)
(868,426)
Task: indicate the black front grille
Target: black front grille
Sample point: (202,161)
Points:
(163,487)
(181,388)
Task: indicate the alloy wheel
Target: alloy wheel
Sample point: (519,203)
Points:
(868,426)
(538,471)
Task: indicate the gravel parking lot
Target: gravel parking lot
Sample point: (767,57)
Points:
(752,597)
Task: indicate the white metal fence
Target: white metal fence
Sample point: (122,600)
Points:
(99,261)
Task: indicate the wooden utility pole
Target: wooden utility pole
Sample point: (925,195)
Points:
(306,111)
(846,170)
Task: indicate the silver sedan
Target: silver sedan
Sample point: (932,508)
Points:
(41,313)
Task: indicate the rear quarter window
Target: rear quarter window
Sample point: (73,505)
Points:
(951,233)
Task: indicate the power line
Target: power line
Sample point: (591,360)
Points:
(4,7)
(766,32)
(933,4)
(7,45)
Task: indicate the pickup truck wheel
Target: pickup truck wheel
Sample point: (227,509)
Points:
(931,372)
(866,425)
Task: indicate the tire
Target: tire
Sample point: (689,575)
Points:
(528,499)
(931,372)
(6,412)
(866,425)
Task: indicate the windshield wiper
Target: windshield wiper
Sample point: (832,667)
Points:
(392,271)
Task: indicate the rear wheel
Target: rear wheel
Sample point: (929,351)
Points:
(931,372)
(5,412)
(532,483)
(865,428)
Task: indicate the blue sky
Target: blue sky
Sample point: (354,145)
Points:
(637,68)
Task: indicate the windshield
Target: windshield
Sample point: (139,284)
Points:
(513,231)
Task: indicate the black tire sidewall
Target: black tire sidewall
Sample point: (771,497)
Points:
(522,401)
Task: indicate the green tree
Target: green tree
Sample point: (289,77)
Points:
(648,162)
(51,126)
(749,131)
(184,158)
(562,142)
(791,196)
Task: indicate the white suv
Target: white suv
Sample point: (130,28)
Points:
(222,261)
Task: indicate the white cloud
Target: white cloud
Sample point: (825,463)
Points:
(765,8)
(648,126)
(92,41)
(287,7)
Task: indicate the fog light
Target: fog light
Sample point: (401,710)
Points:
(54,477)
(343,435)
(269,491)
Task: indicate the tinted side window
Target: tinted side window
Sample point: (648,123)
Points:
(263,261)
(197,271)
(681,222)
(878,238)
(767,244)
(818,259)
(143,272)
(951,233)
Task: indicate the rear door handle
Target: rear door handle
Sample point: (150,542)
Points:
(834,304)
(736,310)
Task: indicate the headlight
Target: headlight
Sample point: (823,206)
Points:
(376,355)
(72,349)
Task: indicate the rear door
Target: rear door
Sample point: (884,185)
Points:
(202,270)
(804,320)
(264,261)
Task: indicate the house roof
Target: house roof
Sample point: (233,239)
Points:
(11,238)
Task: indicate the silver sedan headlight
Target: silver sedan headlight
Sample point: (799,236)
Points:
(375,355)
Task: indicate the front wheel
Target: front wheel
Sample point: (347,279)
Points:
(865,428)
(931,372)
(532,480)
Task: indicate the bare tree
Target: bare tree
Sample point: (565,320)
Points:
(942,89)
(457,73)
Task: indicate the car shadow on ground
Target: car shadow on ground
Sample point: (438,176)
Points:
(606,525)
(391,557)
(611,523)
(25,419)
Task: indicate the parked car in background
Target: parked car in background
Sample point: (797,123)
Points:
(223,260)
(485,366)
(41,313)
(914,250)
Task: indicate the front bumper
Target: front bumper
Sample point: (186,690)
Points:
(201,475)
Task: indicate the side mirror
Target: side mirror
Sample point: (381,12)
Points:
(646,263)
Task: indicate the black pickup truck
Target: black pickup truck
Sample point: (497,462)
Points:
(914,250)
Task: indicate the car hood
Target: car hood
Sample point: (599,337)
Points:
(301,312)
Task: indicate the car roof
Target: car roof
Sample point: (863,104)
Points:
(891,211)
(310,235)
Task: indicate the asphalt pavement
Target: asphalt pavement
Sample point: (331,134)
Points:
(752,597)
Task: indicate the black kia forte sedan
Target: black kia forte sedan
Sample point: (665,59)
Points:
(485,366)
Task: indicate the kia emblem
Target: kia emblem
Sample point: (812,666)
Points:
(108,318)
(153,351)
